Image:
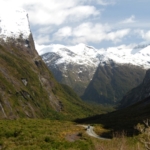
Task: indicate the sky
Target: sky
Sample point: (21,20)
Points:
(99,23)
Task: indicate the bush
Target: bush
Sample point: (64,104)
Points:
(144,129)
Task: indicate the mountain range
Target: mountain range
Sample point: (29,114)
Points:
(118,76)
(103,76)
(28,88)
(138,94)
(134,109)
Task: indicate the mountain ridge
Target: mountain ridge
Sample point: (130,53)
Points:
(137,94)
(83,54)
(77,65)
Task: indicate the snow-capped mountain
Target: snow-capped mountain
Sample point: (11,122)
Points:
(73,65)
(80,65)
(80,54)
(87,55)
(14,23)
(138,56)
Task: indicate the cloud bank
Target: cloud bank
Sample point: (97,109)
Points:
(75,21)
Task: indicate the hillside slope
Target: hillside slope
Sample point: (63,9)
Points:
(112,81)
(134,109)
(28,89)
(73,66)
(124,120)
(138,93)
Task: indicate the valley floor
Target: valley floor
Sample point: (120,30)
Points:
(38,134)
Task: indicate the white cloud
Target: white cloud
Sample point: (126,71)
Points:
(54,11)
(77,21)
(129,20)
(89,32)
(45,29)
(117,35)
(101,2)
(81,12)
(64,32)
(43,39)
(144,34)
(105,2)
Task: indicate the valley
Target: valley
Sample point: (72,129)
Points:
(77,97)
(43,134)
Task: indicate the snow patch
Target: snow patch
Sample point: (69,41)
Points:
(13,23)
(89,56)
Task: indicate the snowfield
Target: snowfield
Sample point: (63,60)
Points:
(87,55)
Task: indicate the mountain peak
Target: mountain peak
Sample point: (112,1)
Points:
(89,55)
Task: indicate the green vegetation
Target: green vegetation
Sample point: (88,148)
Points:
(111,83)
(37,134)
(144,129)
(76,80)
(41,135)
(137,94)
(28,89)
(123,120)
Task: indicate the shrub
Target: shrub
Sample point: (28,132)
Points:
(144,129)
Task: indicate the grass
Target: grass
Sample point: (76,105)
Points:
(43,96)
(40,135)
(44,134)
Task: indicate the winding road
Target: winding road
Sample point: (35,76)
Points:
(90,132)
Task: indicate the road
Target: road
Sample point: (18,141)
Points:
(90,132)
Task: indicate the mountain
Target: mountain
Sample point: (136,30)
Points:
(122,120)
(102,76)
(74,65)
(27,87)
(111,82)
(137,94)
(134,109)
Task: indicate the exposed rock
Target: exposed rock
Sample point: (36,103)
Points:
(24,81)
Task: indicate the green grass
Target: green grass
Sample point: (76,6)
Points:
(43,96)
(38,134)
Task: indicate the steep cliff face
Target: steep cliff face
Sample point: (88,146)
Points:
(77,76)
(139,93)
(27,87)
(111,82)
(101,76)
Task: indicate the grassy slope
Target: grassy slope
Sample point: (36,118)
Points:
(42,96)
(37,134)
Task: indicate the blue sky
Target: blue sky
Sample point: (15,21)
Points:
(99,23)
